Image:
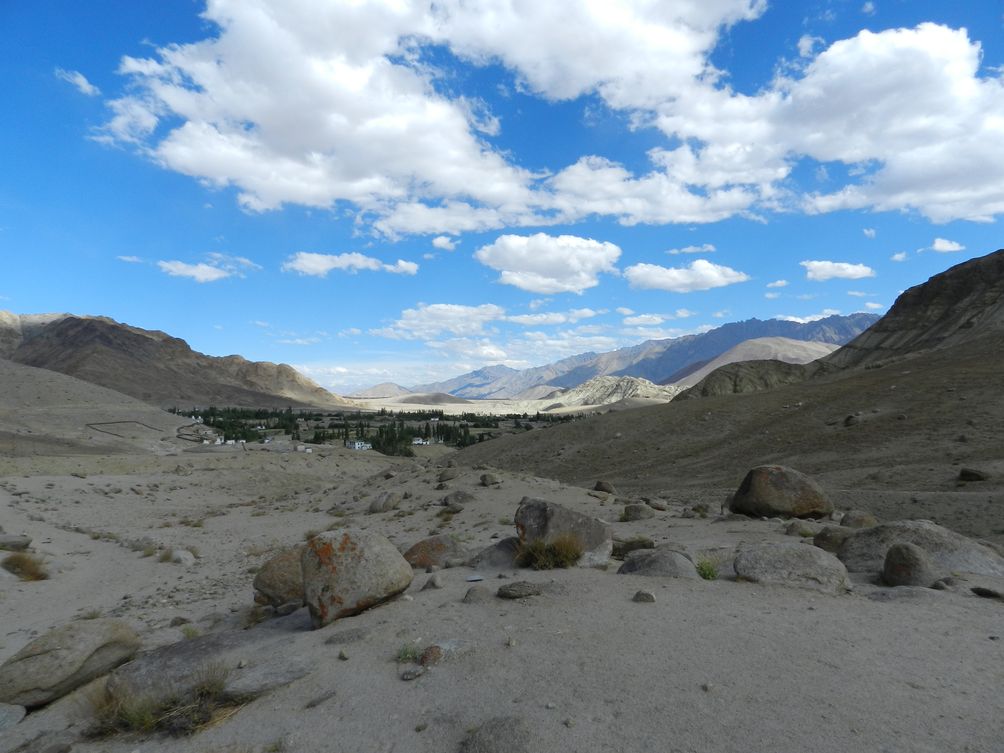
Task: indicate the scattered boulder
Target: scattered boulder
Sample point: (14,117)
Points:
(348,571)
(64,659)
(538,519)
(458,499)
(643,597)
(490,479)
(858,519)
(637,512)
(477,595)
(971,474)
(623,547)
(804,528)
(657,504)
(434,551)
(604,486)
(947,551)
(831,538)
(907,564)
(13,542)
(664,561)
(280,579)
(504,734)
(433,582)
(447,474)
(182,557)
(386,501)
(499,556)
(787,564)
(775,490)
(519,589)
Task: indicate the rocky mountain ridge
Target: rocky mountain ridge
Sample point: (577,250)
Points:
(153,366)
(654,360)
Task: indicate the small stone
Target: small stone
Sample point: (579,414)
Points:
(569,723)
(519,589)
(490,479)
(412,674)
(858,519)
(971,474)
(644,597)
(179,621)
(421,727)
(604,486)
(433,582)
(656,504)
(907,564)
(550,705)
(707,687)
(477,595)
(987,593)
(850,421)
(637,512)
(342,656)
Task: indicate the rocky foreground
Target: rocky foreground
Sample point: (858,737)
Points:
(180,581)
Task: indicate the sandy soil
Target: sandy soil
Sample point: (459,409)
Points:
(709,666)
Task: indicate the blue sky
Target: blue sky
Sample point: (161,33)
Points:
(387,191)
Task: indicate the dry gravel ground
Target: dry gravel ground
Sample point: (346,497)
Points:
(709,666)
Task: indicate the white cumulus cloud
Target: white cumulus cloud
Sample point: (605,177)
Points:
(899,256)
(821,271)
(444,242)
(318,265)
(945,246)
(216,267)
(427,321)
(544,263)
(699,275)
(777,284)
(704,248)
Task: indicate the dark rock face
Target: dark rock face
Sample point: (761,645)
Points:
(280,580)
(774,490)
(960,303)
(538,519)
(434,551)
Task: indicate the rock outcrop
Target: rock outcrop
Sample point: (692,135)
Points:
(280,580)
(865,550)
(770,490)
(64,659)
(538,519)
(796,565)
(348,571)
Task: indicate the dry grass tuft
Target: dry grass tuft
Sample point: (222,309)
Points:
(25,566)
(564,551)
(169,712)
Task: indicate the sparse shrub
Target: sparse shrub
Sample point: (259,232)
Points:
(564,551)
(91,614)
(149,550)
(25,566)
(171,712)
(189,631)
(707,569)
(409,653)
(310,534)
(165,556)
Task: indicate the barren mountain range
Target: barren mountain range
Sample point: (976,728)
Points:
(659,361)
(153,366)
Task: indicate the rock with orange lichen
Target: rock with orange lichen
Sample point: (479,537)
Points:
(347,571)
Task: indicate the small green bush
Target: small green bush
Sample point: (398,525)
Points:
(707,569)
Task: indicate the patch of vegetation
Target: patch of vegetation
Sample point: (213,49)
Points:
(171,713)
(25,566)
(564,551)
(165,556)
(91,614)
(707,569)
(409,653)
(189,631)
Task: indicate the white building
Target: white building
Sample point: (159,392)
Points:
(358,444)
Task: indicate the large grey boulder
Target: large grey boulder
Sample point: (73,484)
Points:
(907,564)
(787,564)
(948,551)
(64,659)
(280,579)
(349,570)
(662,561)
(831,538)
(775,490)
(538,519)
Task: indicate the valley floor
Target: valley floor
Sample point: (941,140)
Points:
(709,666)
